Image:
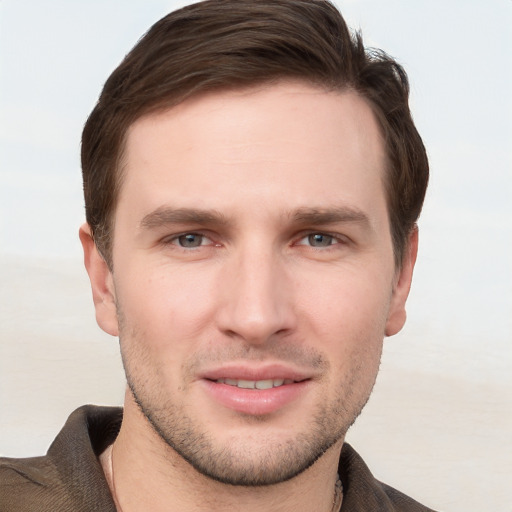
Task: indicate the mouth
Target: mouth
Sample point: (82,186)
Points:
(256,391)
(256,384)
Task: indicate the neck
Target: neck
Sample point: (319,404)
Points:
(144,473)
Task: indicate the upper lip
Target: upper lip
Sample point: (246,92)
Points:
(256,373)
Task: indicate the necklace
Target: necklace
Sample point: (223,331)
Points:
(336,505)
(338,496)
(112,479)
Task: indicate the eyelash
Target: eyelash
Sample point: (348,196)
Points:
(174,240)
(335,239)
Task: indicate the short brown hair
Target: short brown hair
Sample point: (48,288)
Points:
(218,44)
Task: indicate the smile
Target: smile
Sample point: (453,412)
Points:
(256,394)
(255,384)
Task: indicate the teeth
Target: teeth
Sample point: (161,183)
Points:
(246,384)
(255,384)
(264,384)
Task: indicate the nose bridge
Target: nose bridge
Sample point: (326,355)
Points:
(257,301)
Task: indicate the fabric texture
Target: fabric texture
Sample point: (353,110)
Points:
(69,478)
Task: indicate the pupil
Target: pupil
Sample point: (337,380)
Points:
(190,240)
(319,240)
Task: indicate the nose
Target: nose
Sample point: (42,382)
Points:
(257,298)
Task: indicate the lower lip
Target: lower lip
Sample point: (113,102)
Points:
(255,401)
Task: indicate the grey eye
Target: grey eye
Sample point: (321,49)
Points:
(190,240)
(320,240)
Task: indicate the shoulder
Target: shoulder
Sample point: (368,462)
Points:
(69,477)
(363,492)
(20,471)
(401,502)
(24,483)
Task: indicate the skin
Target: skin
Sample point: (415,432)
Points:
(252,240)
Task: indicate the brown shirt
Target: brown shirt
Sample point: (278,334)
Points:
(69,478)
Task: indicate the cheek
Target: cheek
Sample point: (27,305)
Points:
(346,302)
(347,322)
(163,307)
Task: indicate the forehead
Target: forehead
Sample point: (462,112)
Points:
(256,144)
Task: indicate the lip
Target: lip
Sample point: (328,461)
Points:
(253,401)
(246,372)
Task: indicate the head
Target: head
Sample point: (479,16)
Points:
(252,180)
(211,46)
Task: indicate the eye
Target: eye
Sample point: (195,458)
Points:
(191,240)
(319,240)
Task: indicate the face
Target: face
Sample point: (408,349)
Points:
(254,277)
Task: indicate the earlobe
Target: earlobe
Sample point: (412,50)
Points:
(102,283)
(397,314)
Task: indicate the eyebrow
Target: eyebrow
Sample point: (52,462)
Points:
(317,216)
(165,215)
(168,215)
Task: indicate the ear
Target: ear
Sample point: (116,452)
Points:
(102,283)
(397,314)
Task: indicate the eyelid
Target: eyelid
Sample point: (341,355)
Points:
(171,239)
(338,237)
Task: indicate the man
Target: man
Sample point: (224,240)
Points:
(252,183)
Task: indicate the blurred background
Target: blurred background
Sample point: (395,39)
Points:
(439,423)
